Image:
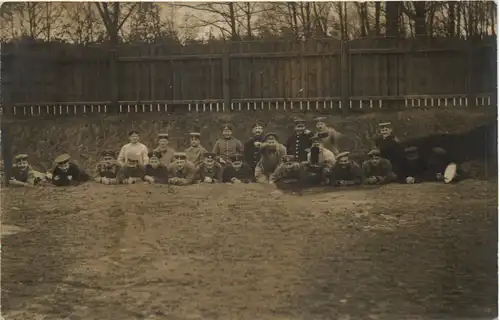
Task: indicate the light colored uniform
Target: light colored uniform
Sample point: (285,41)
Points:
(133,151)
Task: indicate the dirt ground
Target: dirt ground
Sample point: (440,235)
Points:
(244,252)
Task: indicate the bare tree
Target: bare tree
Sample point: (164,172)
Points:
(83,23)
(114,15)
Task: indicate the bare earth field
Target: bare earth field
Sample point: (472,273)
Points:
(243,252)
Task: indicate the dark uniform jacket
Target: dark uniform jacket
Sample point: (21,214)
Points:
(109,172)
(244,174)
(351,172)
(413,168)
(251,152)
(72,176)
(187,172)
(160,173)
(297,144)
(215,172)
(382,170)
(283,173)
(393,151)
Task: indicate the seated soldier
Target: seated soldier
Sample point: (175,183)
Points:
(377,170)
(181,172)
(67,173)
(22,173)
(209,171)
(272,153)
(155,171)
(107,169)
(133,171)
(414,168)
(195,151)
(289,171)
(319,161)
(345,172)
(237,171)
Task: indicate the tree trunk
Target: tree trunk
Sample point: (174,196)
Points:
(392,18)
(420,18)
(377,18)
(451,18)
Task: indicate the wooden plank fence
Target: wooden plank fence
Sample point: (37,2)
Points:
(53,79)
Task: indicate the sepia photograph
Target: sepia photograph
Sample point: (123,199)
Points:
(248,160)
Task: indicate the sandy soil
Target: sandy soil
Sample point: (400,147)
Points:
(244,252)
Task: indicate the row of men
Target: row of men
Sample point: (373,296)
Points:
(275,166)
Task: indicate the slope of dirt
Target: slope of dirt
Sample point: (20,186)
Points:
(84,138)
(246,252)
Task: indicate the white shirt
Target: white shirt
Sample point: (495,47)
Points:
(134,151)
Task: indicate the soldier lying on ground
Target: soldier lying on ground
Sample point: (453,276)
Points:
(165,152)
(181,172)
(195,151)
(209,171)
(414,167)
(377,170)
(134,149)
(23,174)
(289,171)
(272,153)
(67,173)
(155,171)
(227,145)
(107,169)
(345,172)
(438,161)
(238,171)
(132,172)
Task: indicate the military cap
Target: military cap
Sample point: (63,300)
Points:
(133,132)
(438,150)
(411,149)
(209,155)
(236,157)
(258,124)
(154,154)
(62,158)
(288,158)
(195,134)
(180,155)
(271,134)
(299,121)
(162,135)
(108,153)
(374,152)
(385,124)
(343,154)
(21,156)
(320,119)
(227,126)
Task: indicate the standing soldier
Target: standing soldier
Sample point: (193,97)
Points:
(165,151)
(377,170)
(227,145)
(272,153)
(300,141)
(389,147)
(155,171)
(331,137)
(23,174)
(180,171)
(252,146)
(133,149)
(345,172)
(107,169)
(209,171)
(196,151)
(67,173)
(238,171)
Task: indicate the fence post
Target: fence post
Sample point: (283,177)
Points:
(113,79)
(226,75)
(345,77)
(471,88)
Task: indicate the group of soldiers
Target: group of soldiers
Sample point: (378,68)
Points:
(305,159)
